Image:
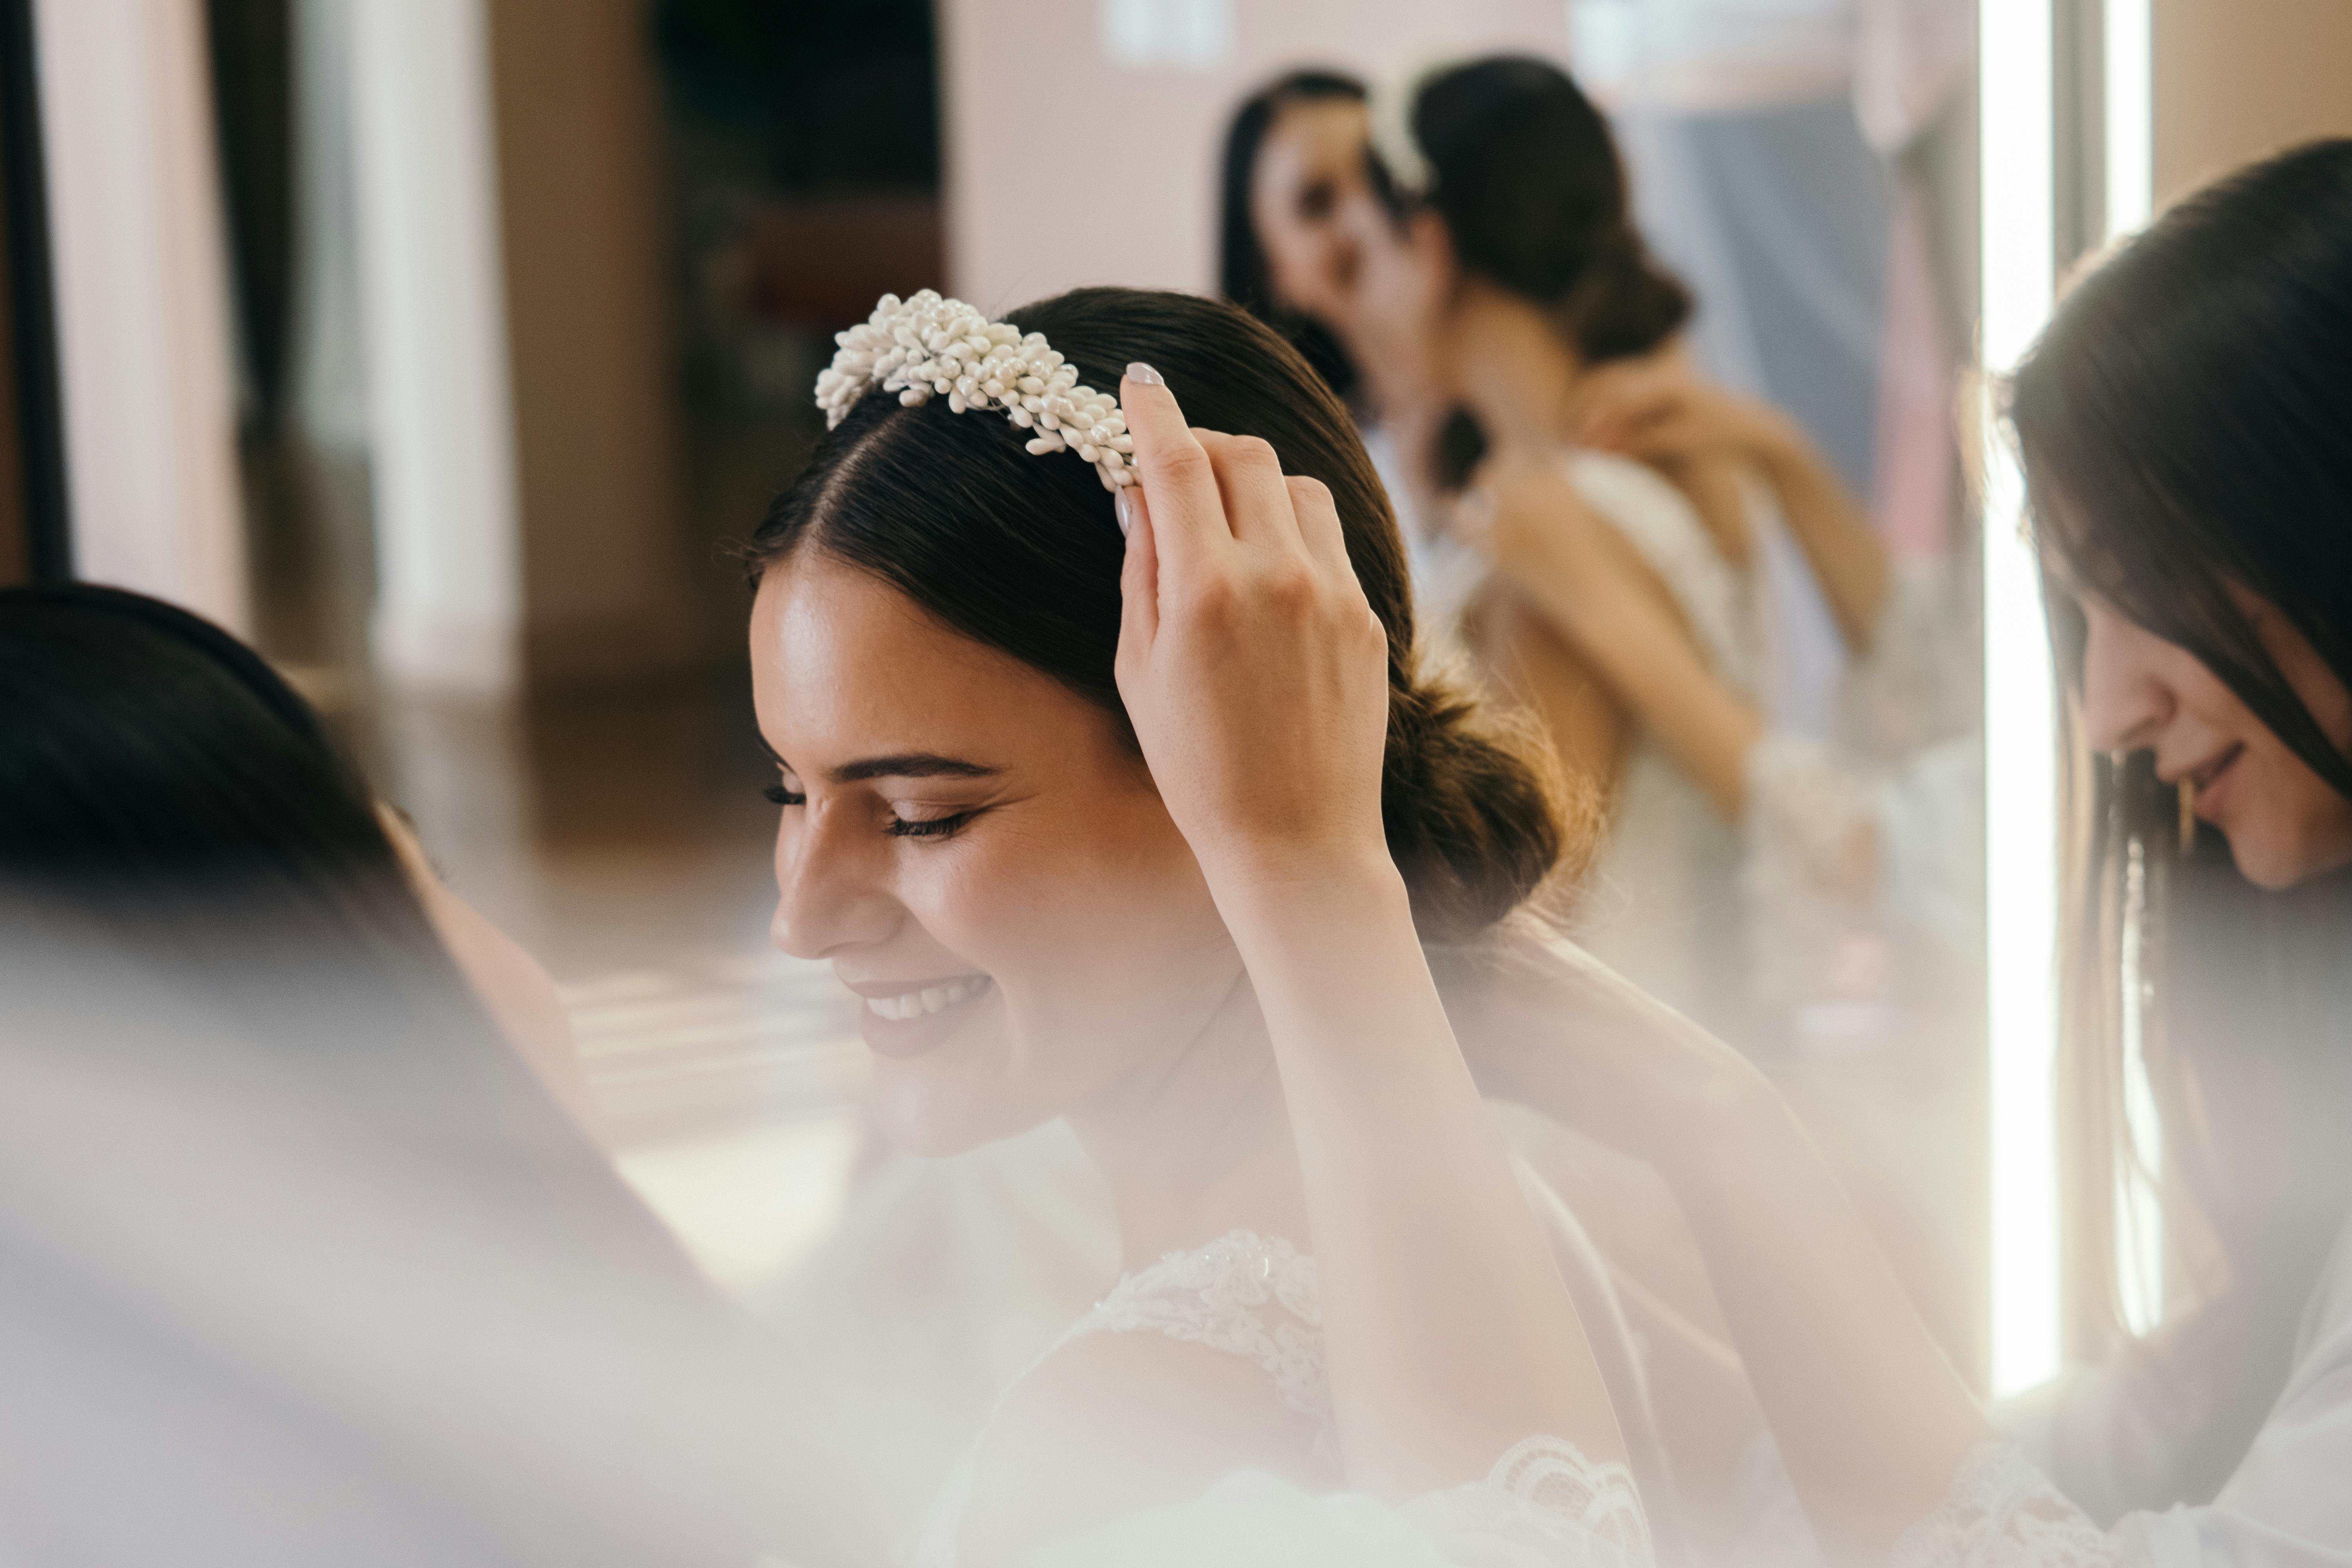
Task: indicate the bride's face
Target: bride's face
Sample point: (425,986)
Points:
(980,856)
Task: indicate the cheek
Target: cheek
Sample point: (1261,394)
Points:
(1072,919)
(1106,949)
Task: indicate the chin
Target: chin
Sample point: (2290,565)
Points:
(937,1114)
(2275,864)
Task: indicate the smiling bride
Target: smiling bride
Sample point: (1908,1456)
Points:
(1129,804)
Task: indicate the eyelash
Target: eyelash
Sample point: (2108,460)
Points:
(934,827)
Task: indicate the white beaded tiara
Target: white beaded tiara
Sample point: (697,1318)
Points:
(929,345)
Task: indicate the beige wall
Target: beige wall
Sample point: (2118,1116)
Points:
(1065,169)
(2236,79)
(597,425)
(141,302)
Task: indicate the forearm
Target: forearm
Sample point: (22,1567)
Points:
(1838,543)
(1871,1421)
(1450,1334)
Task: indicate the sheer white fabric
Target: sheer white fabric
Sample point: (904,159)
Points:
(1544,1503)
(2288,1504)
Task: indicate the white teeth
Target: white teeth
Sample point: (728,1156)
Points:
(929,999)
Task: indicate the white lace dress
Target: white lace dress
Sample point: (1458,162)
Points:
(1543,1505)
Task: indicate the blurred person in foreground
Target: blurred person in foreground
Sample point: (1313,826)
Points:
(303,1257)
(2181,423)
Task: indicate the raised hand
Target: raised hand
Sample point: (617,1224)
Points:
(1661,410)
(1256,679)
(1252,669)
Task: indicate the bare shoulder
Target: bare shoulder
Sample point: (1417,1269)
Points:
(1113,1423)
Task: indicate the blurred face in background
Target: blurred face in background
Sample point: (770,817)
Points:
(1310,170)
(2140,693)
(980,855)
(1402,311)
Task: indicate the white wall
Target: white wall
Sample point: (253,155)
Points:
(143,302)
(1082,136)
(448,590)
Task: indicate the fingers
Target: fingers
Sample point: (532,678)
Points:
(1188,514)
(1319,525)
(1249,477)
(1138,585)
(1616,399)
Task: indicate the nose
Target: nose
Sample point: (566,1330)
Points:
(2125,700)
(829,898)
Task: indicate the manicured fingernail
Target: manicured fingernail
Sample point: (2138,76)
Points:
(1123,504)
(1138,371)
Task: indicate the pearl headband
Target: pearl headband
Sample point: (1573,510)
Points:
(929,345)
(1398,148)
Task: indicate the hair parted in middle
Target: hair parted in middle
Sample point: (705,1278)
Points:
(1022,555)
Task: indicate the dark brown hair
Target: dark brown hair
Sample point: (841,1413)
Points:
(1022,554)
(1526,175)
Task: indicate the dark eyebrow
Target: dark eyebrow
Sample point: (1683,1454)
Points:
(911,765)
(901,765)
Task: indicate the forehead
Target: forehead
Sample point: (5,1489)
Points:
(1319,134)
(844,666)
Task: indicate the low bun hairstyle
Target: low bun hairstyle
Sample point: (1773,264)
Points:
(1022,554)
(1526,178)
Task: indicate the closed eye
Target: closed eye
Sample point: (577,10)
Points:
(783,795)
(931,827)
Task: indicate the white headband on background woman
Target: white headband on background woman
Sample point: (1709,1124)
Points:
(929,346)
(1393,142)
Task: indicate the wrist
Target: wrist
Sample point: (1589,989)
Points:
(1289,906)
(1258,883)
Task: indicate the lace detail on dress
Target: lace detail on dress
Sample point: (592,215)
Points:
(2001,1513)
(1544,1492)
(1217,1297)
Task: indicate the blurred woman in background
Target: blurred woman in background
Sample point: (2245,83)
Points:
(1292,162)
(1605,562)
(2181,425)
(304,1259)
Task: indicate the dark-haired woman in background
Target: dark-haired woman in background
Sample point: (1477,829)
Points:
(2182,425)
(1292,165)
(300,1260)
(1606,565)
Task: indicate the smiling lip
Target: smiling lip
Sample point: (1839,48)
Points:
(2204,778)
(907,1018)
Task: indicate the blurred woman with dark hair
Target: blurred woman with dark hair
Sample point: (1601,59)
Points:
(2182,428)
(303,1258)
(1607,558)
(1293,159)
